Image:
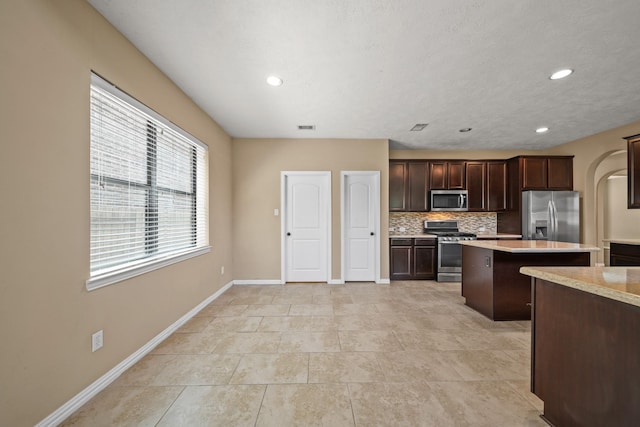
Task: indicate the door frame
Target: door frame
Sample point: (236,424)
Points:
(283,218)
(343,228)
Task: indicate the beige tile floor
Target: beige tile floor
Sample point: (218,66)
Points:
(405,354)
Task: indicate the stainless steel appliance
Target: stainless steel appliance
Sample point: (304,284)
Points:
(449,200)
(551,215)
(449,268)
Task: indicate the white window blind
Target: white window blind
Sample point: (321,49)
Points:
(149,188)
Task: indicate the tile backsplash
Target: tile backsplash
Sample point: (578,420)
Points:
(471,222)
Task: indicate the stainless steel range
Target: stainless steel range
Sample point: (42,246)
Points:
(449,250)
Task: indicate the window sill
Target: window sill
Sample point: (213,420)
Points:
(107,279)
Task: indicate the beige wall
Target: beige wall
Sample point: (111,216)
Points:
(46,315)
(257,164)
(619,222)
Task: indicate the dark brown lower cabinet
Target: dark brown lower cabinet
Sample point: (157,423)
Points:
(624,255)
(585,358)
(413,259)
(424,259)
(401,262)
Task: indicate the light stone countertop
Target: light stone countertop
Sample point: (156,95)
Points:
(397,235)
(412,236)
(498,236)
(529,246)
(617,283)
(623,241)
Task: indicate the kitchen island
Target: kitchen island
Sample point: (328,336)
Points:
(491,280)
(585,335)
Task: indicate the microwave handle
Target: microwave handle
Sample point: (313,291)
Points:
(461,201)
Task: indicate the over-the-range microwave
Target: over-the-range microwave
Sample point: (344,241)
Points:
(449,201)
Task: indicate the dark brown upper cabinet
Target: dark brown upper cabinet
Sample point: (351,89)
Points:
(633,171)
(398,186)
(487,185)
(418,186)
(408,186)
(447,175)
(477,186)
(497,186)
(546,172)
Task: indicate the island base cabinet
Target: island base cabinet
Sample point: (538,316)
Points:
(492,283)
(585,361)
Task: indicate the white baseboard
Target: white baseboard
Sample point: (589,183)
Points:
(335,282)
(63,412)
(383,282)
(258,282)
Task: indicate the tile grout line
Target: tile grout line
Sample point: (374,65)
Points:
(164,414)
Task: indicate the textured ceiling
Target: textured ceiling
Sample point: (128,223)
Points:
(373,68)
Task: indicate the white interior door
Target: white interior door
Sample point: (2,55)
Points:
(307,213)
(360,225)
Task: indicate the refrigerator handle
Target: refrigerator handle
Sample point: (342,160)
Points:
(555,220)
(550,230)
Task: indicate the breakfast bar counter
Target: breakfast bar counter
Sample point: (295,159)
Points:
(491,280)
(585,335)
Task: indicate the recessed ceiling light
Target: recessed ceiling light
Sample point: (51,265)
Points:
(561,74)
(465,130)
(306,127)
(274,81)
(542,129)
(419,126)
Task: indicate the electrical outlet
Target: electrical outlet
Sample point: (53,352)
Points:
(97,341)
(276,212)
(402,229)
(222,270)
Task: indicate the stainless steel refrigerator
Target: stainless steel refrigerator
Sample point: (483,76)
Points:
(551,215)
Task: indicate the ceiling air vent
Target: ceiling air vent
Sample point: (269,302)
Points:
(418,127)
(306,127)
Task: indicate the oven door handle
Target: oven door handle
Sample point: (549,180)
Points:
(449,243)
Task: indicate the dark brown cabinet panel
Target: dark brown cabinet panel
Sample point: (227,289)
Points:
(398,177)
(624,255)
(487,185)
(438,175)
(633,171)
(477,185)
(546,173)
(534,173)
(424,259)
(560,173)
(401,262)
(446,175)
(496,186)
(412,259)
(456,175)
(417,187)
(408,186)
(584,357)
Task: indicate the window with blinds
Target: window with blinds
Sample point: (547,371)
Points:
(148,189)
